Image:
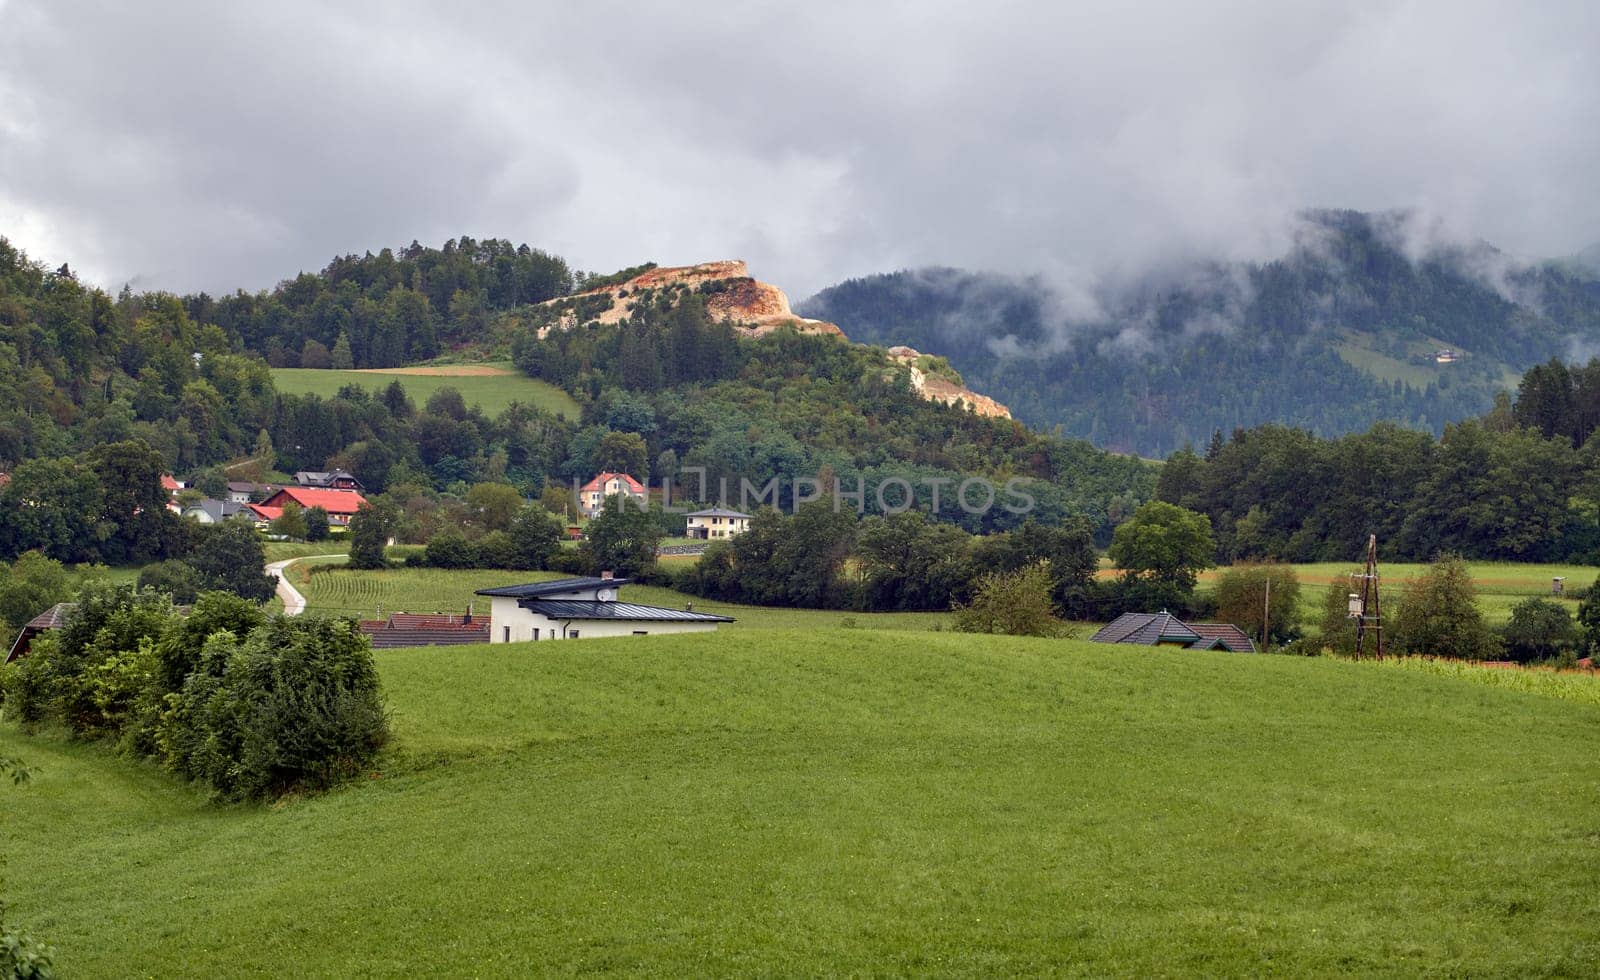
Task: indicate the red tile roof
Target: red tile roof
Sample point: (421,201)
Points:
(169,484)
(604,478)
(344,502)
(266,513)
(413,630)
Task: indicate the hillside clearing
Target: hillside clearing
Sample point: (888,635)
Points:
(491,387)
(785,802)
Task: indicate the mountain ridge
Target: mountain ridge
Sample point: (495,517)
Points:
(1348,327)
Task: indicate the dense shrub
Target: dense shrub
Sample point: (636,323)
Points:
(1539,630)
(1014,603)
(176,577)
(252,706)
(295,705)
(1439,615)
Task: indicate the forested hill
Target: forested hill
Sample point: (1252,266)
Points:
(1341,332)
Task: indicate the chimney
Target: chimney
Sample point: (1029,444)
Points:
(467,619)
(688,607)
(605,576)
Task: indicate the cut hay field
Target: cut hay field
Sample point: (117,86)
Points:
(845,802)
(491,387)
(339,592)
(1500,585)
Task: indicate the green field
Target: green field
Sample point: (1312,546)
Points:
(492,393)
(848,802)
(426,590)
(1500,585)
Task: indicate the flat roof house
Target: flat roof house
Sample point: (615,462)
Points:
(715,523)
(575,608)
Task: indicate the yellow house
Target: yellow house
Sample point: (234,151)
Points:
(716,523)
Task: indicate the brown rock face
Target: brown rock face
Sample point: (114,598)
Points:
(943,391)
(757,308)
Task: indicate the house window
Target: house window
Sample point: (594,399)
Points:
(508,635)
(572,634)
(641,632)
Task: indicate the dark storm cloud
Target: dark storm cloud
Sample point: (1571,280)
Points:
(198,149)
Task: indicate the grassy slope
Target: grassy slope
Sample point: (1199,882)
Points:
(491,393)
(822,803)
(344,593)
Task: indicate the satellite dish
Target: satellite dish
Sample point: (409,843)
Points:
(606,595)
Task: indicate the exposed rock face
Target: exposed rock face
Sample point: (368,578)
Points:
(937,389)
(756,308)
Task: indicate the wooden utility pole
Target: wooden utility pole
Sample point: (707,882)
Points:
(1371,609)
(1266,616)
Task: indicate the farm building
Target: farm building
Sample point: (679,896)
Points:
(1165,629)
(414,630)
(341,505)
(573,608)
(717,522)
(592,495)
(52,618)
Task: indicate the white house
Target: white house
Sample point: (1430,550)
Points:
(592,495)
(576,608)
(717,522)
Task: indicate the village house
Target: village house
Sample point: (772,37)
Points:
(592,496)
(243,491)
(574,608)
(1164,629)
(209,511)
(341,505)
(332,480)
(717,522)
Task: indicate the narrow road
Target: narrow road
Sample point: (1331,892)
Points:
(293,602)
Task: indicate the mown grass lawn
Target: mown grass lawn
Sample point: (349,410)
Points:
(490,392)
(760,802)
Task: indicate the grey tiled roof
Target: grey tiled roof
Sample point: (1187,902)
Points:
(560,585)
(585,609)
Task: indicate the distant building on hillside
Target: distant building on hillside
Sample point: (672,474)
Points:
(592,495)
(243,491)
(715,523)
(1445,355)
(210,511)
(1166,630)
(574,608)
(333,480)
(341,505)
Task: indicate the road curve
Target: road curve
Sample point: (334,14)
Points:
(293,602)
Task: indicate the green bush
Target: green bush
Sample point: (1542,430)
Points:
(295,705)
(1016,604)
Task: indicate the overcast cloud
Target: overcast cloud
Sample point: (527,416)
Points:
(191,147)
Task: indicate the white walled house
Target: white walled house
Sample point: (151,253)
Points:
(592,495)
(717,522)
(582,608)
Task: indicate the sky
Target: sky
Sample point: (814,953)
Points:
(224,146)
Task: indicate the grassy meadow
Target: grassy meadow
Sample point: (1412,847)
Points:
(491,386)
(827,802)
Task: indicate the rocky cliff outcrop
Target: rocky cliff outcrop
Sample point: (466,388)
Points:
(732,295)
(942,390)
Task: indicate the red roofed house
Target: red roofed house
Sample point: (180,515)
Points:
(592,496)
(341,505)
(413,630)
(171,486)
